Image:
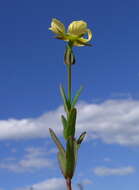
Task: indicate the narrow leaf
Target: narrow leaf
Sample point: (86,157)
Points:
(64,121)
(76,97)
(66,103)
(62,163)
(65,125)
(57,142)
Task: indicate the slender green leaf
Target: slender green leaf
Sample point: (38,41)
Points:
(66,102)
(65,125)
(62,163)
(57,142)
(76,97)
(64,121)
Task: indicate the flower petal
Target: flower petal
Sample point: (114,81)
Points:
(85,40)
(57,26)
(77,28)
(80,43)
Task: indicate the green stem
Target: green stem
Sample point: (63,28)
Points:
(69,65)
(69,81)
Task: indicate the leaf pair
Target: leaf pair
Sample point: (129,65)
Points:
(67,159)
(67,104)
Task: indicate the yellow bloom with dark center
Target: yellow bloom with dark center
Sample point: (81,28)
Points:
(74,34)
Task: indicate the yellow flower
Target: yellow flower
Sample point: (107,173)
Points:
(75,33)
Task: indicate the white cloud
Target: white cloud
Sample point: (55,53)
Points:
(30,128)
(104,171)
(50,184)
(34,158)
(112,121)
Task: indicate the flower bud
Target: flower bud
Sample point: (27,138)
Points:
(69,57)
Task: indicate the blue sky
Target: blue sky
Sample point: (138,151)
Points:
(31,69)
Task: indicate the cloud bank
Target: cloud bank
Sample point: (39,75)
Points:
(50,184)
(104,171)
(112,121)
(34,159)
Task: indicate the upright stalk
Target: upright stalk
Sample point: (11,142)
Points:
(67,156)
(69,81)
(69,65)
(69,59)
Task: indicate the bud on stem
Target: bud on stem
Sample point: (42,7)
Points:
(69,57)
(69,60)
